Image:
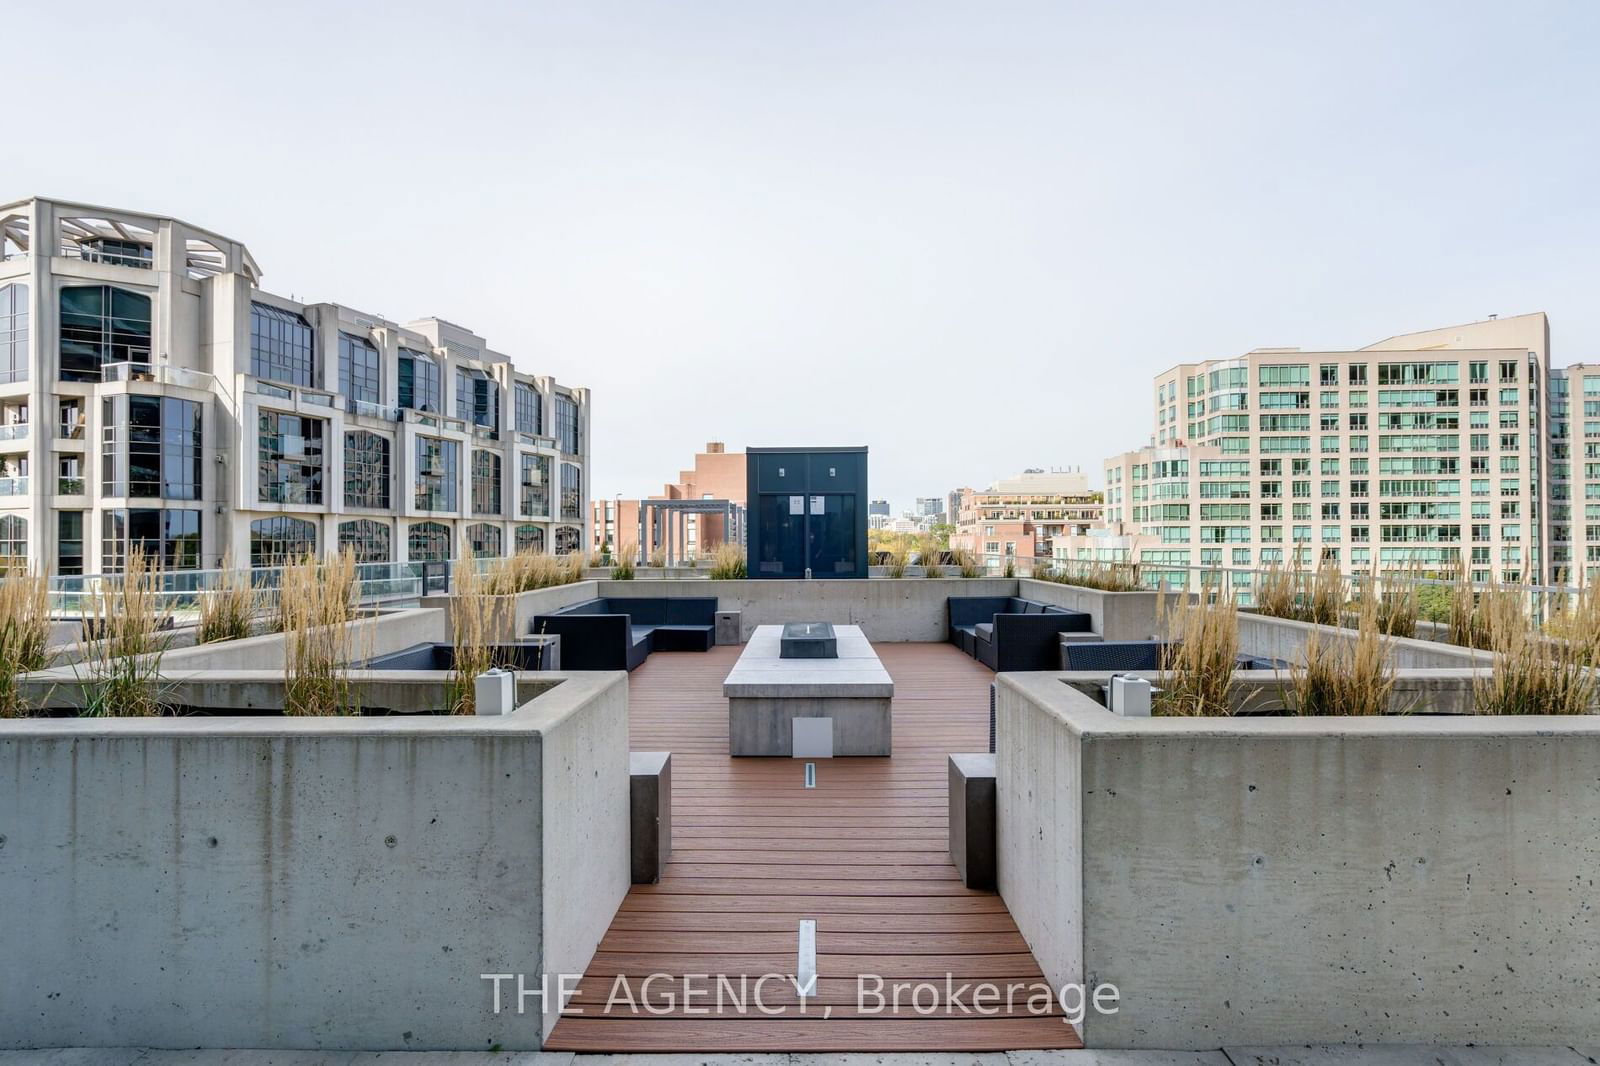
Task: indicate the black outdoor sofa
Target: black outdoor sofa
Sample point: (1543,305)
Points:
(618,632)
(1009,633)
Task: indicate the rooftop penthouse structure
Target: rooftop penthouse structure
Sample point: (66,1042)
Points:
(153,394)
(1455,446)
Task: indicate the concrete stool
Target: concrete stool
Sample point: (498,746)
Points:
(650,814)
(972,819)
(730,627)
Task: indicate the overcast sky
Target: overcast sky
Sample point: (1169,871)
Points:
(966,235)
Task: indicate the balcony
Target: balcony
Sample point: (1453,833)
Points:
(13,486)
(367,409)
(433,421)
(14,431)
(157,373)
(69,486)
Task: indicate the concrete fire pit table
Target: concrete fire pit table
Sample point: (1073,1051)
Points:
(808,707)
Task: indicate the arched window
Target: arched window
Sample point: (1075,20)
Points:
(567,540)
(530,538)
(428,542)
(101,324)
(281,540)
(13,543)
(366,470)
(369,540)
(485,540)
(13,333)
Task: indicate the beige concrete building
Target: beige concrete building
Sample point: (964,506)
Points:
(1425,449)
(153,394)
(1027,514)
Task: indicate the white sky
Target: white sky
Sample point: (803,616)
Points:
(966,235)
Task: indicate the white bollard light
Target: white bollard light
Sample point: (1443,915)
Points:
(1130,696)
(495,692)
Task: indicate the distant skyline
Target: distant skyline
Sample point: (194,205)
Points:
(967,238)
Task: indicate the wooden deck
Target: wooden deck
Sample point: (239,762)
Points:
(864,854)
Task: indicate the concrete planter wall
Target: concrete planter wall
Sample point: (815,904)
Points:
(1304,880)
(528,604)
(378,635)
(1255,692)
(307,882)
(1117,615)
(1285,639)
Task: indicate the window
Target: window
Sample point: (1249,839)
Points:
(168,537)
(429,542)
(13,542)
(69,542)
(1284,375)
(164,454)
(477,398)
(281,346)
(136,254)
(437,472)
(99,325)
(567,540)
(485,482)
(529,538)
(1358,373)
(281,540)
(571,492)
(567,425)
(368,540)
(360,377)
(421,382)
(534,489)
(290,459)
(484,540)
(13,333)
(530,412)
(366,472)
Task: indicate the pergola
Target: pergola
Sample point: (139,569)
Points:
(665,517)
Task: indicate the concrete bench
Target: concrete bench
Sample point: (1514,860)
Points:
(650,814)
(972,819)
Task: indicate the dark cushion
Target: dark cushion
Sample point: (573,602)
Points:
(640,634)
(984,630)
(691,611)
(1034,608)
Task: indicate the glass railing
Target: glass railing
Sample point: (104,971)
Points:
(13,486)
(373,410)
(15,431)
(69,486)
(424,418)
(160,373)
(376,584)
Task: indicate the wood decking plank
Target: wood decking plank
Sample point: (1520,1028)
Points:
(864,854)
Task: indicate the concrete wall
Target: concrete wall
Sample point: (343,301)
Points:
(306,882)
(910,609)
(1117,615)
(1289,881)
(528,604)
(381,635)
(1285,639)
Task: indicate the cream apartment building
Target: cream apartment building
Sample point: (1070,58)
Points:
(153,394)
(1423,449)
